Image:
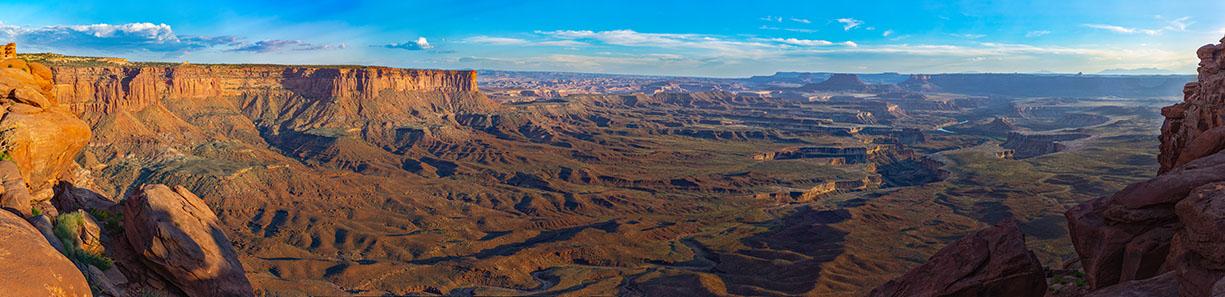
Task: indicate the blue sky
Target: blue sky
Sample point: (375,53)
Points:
(701,38)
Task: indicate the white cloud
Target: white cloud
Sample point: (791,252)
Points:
(849,23)
(850,44)
(1039,33)
(772,19)
(887,33)
(420,44)
(802,42)
(798,20)
(1113,28)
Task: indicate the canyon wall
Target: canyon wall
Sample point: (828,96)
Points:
(107,89)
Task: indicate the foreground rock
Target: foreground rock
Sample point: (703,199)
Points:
(29,266)
(991,262)
(179,237)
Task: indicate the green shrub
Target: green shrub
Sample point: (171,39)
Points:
(67,227)
(36,211)
(111,222)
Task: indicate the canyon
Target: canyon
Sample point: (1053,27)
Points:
(1157,237)
(288,180)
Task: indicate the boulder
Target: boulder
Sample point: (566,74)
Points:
(1165,285)
(43,143)
(69,197)
(1198,254)
(178,236)
(29,266)
(100,281)
(990,262)
(15,196)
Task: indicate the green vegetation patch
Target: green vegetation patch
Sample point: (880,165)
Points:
(67,227)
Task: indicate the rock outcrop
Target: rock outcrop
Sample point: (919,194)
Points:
(1032,145)
(29,266)
(1167,229)
(9,51)
(36,132)
(179,237)
(919,83)
(991,262)
(839,82)
(1192,128)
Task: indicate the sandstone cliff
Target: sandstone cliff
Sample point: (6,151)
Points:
(105,89)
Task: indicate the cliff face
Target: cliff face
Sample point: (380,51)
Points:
(107,89)
(1192,129)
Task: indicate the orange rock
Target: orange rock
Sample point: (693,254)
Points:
(181,239)
(38,134)
(31,266)
(9,51)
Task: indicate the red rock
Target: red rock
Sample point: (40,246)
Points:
(40,136)
(29,266)
(15,196)
(1164,285)
(1186,122)
(991,262)
(1162,236)
(178,236)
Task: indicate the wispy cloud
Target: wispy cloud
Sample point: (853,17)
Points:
(713,45)
(1119,29)
(566,43)
(420,44)
(496,40)
(772,19)
(798,30)
(1175,25)
(1178,25)
(268,46)
(968,35)
(887,33)
(1039,33)
(802,42)
(799,20)
(849,23)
